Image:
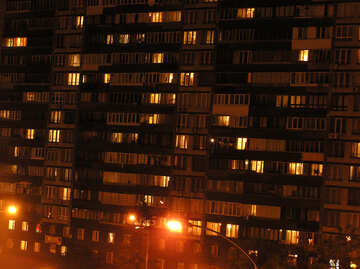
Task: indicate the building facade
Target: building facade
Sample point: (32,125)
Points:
(240,117)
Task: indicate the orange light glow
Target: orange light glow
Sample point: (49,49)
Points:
(174,226)
(12,210)
(132,217)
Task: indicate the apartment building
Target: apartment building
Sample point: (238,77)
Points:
(239,117)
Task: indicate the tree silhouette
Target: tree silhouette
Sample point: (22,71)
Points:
(343,246)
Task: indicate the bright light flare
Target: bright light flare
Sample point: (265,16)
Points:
(132,217)
(12,210)
(174,226)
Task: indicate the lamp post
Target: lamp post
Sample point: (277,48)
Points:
(8,212)
(132,219)
(176,226)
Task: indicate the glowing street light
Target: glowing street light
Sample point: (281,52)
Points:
(174,226)
(132,217)
(12,210)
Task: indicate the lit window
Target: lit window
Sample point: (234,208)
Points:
(153,119)
(257,166)
(30,96)
(292,237)
(140,37)
(30,134)
(167,78)
(74,60)
(16,42)
(215,226)
(111,238)
(158,58)
(354,173)
(182,141)
(148,200)
(246,13)
(235,164)
(241,143)
(356,150)
(334,264)
(109,39)
(171,99)
(66,194)
(117,137)
(210,37)
(155,98)
(37,247)
(55,116)
(23,245)
(304,55)
(156,16)
(232,230)
(296,168)
(173,16)
(316,169)
(187,79)
(223,120)
(239,164)
(195,228)
(254,252)
(16,151)
(79,21)
(292,259)
(107,78)
(4,114)
(189,37)
(63,250)
(161,181)
(24,226)
(124,39)
(54,136)
(11,224)
(95,236)
(67,174)
(73,79)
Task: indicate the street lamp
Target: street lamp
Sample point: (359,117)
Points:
(132,217)
(172,225)
(12,210)
(176,226)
